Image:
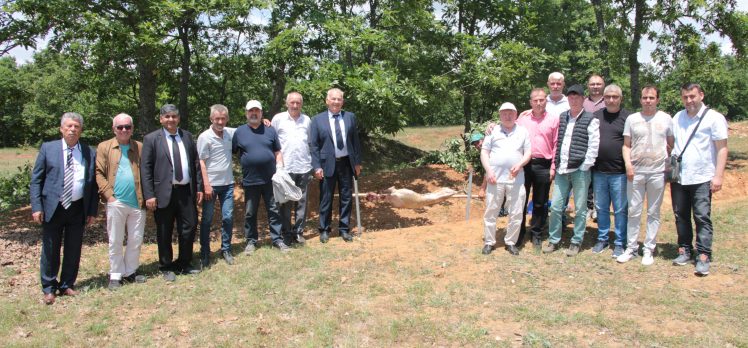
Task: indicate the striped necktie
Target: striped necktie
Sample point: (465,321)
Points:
(67,187)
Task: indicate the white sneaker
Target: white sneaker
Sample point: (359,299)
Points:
(626,256)
(647,258)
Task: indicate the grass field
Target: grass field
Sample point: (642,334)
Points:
(13,157)
(407,287)
(428,138)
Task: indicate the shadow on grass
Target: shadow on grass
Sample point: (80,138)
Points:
(735,160)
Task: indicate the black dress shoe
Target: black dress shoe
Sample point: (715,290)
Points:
(512,249)
(205,262)
(323,237)
(189,270)
(487,249)
(169,276)
(134,278)
(346,236)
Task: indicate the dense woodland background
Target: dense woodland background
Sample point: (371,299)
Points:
(401,63)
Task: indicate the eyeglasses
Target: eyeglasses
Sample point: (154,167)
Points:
(124,127)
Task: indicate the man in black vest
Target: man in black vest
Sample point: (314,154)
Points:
(578,142)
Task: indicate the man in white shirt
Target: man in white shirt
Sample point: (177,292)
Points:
(576,151)
(293,131)
(702,170)
(503,154)
(647,140)
(214,151)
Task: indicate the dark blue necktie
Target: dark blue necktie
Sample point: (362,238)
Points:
(338,132)
(177,158)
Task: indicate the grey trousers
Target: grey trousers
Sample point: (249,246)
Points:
(651,186)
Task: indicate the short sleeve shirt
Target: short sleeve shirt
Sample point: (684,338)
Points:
(506,149)
(700,158)
(294,139)
(256,149)
(648,141)
(216,152)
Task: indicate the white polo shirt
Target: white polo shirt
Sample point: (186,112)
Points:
(700,158)
(294,139)
(506,149)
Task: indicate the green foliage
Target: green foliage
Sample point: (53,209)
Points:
(453,156)
(14,190)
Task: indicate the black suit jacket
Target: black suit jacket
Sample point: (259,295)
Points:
(49,173)
(322,146)
(157,171)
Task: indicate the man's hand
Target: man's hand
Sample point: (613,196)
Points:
(489,128)
(208,196)
(491,178)
(630,174)
(37,216)
(90,220)
(525,113)
(267,122)
(358,170)
(716,184)
(553,174)
(151,204)
(199,198)
(515,170)
(111,199)
(482,193)
(318,174)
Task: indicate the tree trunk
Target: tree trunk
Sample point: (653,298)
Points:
(598,7)
(373,20)
(279,87)
(467,104)
(184,78)
(146,95)
(640,8)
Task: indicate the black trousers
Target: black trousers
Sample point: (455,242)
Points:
(693,200)
(537,178)
(183,210)
(64,230)
(343,179)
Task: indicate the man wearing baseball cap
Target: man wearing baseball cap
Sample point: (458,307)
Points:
(578,140)
(503,154)
(259,152)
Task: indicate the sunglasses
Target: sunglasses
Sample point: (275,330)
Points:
(124,127)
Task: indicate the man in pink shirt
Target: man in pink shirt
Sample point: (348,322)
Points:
(543,129)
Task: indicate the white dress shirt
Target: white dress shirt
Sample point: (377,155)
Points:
(338,152)
(79,176)
(294,136)
(556,107)
(182,153)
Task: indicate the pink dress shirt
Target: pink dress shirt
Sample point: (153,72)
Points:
(543,134)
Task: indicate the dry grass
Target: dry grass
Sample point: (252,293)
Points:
(428,138)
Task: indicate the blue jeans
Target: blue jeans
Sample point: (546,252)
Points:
(252,195)
(226,195)
(579,182)
(611,188)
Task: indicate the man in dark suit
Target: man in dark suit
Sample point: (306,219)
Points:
(63,200)
(172,188)
(336,158)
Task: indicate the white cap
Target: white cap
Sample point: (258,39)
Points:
(507,106)
(253,104)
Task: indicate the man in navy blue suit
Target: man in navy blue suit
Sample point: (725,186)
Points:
(336,158)
(63,200)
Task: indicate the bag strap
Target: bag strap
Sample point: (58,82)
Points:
(680,157)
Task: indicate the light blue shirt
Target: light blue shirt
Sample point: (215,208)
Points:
(124,181)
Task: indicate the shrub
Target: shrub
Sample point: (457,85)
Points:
(14,190)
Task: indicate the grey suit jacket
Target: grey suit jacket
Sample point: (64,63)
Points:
(49,173)
(157,171)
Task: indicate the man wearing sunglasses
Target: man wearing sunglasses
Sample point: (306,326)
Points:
(118,177)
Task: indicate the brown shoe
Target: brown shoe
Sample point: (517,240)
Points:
(49,298)
(69,292)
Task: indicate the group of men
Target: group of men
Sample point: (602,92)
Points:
(575,142)
(170,173)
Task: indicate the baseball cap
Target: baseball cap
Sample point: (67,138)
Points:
(507,106)
(578,89)
(476,137)
(253,104)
